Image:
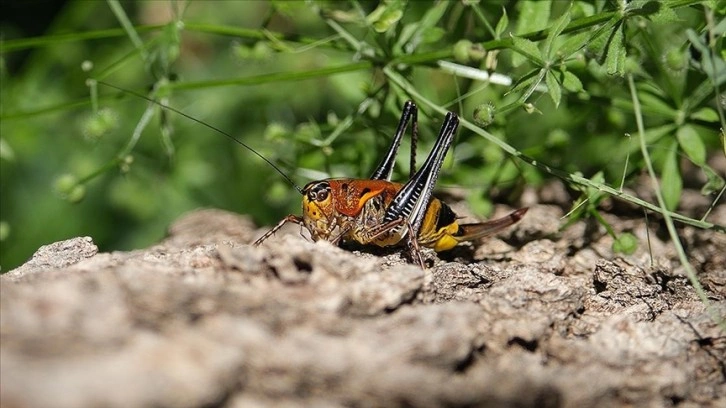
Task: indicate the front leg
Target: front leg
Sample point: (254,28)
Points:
(290,218)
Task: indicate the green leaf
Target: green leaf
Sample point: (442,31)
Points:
(431,35)
(671,182)
(407,33)
(434,14)
(385,16)
(692,144)
(615,59)
(424,31)
(655,103)
(583,9)
(588,200)
(705,114)
(376,14)
(553,87)
(593,193)
(573,44)
(598,41)
(342,16)
(664,15)
(502,24)
(528,49)
(713,67)
(288,8)
(720,28)
(525,81)
(626,244)
(533,15)
(571,82)
(555,31)
(388,21)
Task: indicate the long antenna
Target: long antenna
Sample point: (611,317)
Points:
(177,111)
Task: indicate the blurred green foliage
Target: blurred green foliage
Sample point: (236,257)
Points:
(308,85)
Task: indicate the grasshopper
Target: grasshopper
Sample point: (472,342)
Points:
(376,210)
(384,213)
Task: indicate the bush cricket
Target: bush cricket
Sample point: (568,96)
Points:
(376,210)
(384,213)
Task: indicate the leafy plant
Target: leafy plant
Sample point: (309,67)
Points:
(316,87)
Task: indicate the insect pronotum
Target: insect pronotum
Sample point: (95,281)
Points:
(376,210)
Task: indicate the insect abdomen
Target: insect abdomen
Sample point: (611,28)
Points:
(441,230)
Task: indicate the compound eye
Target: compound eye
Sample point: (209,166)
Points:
(319,192)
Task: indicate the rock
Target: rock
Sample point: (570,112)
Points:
(204,319)
(55,256)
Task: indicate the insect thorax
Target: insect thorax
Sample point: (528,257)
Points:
(366,227)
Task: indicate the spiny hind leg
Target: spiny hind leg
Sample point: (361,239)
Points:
(369,234)
(412,247)
(414,250)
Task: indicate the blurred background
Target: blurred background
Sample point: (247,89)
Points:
(303,84)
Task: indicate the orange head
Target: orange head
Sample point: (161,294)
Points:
(318,209)
(330,204)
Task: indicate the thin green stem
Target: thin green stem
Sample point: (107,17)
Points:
(99,171)
(63,106)
(666,214)
(274,77)
(595,213)
(714,202)
(480,16)
(264,35)
(123,19)
(50,40)
(625,168)
(21,44)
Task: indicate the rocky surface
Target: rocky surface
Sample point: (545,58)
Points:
(534,318)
